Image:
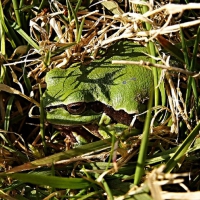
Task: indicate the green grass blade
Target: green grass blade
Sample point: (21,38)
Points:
(74,152)
(25,36)
(77,5)
(8,110)
(13,37)
(61,49)
(52,181)
(152,52)
(195,50)
(41,4)
(16,10)
(27,81)
(155,74)
(88,196)
(193,65)
(80,31)
(80,150)
(144,144)
(107,189)
(75,18)
(187,62)
(185,50)
(42,131)
(155,92)
(2,31)
(47,58)
(190,65)
(182,149)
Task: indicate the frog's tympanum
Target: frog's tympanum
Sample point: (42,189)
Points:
(81,93)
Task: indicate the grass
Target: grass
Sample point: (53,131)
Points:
(160,161)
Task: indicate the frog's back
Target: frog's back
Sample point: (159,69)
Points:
(123,87)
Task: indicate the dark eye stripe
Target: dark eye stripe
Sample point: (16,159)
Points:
(79,107)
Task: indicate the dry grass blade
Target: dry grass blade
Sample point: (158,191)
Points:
(157,178)
(11,90)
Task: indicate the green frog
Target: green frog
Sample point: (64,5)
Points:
(81,94)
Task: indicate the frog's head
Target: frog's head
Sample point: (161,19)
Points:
(77,113)
(69,106)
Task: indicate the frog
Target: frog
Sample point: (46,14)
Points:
(82,93)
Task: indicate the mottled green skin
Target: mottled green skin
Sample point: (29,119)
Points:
(123,87)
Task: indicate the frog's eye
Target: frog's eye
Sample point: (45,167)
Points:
(76,108)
